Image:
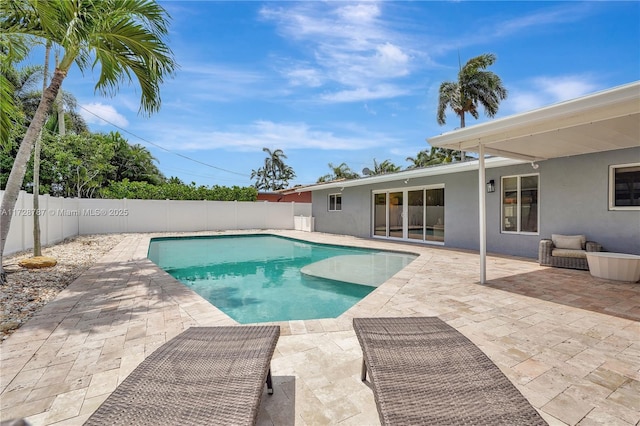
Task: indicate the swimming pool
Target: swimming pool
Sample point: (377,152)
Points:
(263,278)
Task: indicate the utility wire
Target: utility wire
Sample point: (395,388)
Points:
(161,147)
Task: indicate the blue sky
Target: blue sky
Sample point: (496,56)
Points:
(333,82)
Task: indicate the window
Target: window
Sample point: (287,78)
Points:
(520,203)
(624,187)
(335,202)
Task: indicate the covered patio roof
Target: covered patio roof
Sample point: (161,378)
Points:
(601,121)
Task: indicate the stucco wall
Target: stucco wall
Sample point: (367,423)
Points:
(573,199)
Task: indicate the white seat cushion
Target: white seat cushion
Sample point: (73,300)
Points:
(574,242)
(580,254)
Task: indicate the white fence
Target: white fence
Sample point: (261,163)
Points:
(61,218)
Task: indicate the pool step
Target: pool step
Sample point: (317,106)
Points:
(363,269)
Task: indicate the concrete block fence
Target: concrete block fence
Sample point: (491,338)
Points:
(62,218)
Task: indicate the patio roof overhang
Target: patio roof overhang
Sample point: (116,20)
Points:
(602,121)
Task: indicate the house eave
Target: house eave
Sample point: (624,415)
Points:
(417,173)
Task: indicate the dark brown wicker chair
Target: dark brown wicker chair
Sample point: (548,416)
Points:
(203,376)
(546,257)
(424,372)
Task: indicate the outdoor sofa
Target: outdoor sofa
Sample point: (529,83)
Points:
(566,251)
(203,376)
(424,372)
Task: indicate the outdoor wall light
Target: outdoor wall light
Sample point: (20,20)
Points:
(491,186)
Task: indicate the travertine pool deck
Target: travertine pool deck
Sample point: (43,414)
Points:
(569,342)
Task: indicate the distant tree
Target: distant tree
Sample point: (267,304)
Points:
(384,167)
(341,171)
(432,157)
(474,87)
(77,165)
(132,162)
(174,190)
(422,159)
(275,174)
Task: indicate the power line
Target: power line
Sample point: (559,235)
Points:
(161,147)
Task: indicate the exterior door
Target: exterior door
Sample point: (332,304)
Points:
(415,214)
(396,214)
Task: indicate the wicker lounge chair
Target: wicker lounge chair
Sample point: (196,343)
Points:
(203,376)
(424,372)
(566,251)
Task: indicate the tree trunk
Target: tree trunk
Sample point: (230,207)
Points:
(37,245)
(462,123)
(19,168)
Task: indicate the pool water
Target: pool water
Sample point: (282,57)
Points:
(263,278)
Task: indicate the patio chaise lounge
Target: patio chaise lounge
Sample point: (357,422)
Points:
(203,376)
(424,372)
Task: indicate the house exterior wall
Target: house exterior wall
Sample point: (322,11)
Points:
(573,199)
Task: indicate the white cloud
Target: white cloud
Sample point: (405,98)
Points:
(364,94)
(304,77)
(549,17)
(392,61)
(350,46)
(261,133)
(214,82)
(542,91)
(366,12)
(564,88)
(102,115)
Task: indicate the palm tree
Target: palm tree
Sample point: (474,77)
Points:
(275,174)
(341,171)
(422,159)
(13,49)
(123,39)
(385,167)
(474,87)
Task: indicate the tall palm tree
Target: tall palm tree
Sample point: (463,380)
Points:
(475,86)
(124,39)
(275,174)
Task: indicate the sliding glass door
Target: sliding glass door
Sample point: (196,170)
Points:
(380,215)
(415,214)
(434,213)
(396,214)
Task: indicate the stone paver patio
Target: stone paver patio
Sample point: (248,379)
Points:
(568,341)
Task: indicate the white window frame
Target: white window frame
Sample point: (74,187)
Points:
(518,205)
(612,184)
(335,204)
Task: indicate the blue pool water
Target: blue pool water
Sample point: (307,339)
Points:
(258,278)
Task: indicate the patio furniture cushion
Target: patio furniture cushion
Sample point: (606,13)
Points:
(573,242)
(203,376)
(424,372)
(578,254)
